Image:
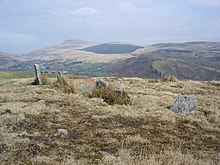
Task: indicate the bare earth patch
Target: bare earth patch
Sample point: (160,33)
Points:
(145,132)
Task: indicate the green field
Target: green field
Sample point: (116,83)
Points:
(91,69)
(16,75)
(28,74)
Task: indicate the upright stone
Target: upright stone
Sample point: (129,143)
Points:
(60,79)
(38,80)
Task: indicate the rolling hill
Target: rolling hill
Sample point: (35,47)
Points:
(6,61)
(192,60)
(70,54)
(74,50)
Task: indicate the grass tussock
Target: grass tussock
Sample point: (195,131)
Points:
(169,78)
(61,80)
(111,96)
(64,85)
(70,89)
(44,78)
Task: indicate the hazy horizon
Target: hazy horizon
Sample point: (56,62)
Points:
(29,25)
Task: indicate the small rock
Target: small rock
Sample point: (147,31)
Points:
(101,83)
(62,132)
(7,111)
(75,136)
(122,92)
(184,105)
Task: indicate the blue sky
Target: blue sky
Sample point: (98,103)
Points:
(26,25)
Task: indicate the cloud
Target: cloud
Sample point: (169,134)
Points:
(128,7)
(51,21)
(85,11)
(215,3)
(13,35)
(16,42)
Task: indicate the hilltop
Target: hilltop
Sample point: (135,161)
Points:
(146,132)
(71,56)
(76,51)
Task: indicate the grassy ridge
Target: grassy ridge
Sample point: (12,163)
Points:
(16,75)
(28,74)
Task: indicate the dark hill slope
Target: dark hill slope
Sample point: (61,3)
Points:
(6,61)
(134,67)
(192,60)
(112,48)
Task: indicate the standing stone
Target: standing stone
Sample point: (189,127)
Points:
(184,105)
(38,80)
(101,83)
(60,79)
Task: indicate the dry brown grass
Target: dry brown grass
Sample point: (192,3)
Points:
(45,79)
(62,84)
(169,78)
(126,157)
(70,89)
(146,132)
(110,95)
(61,80)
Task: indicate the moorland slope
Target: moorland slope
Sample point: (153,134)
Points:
(146,132)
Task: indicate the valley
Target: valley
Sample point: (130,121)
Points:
(191,60)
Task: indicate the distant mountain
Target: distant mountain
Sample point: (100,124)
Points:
(194,46)
(68,54)
(67,46)
(112,48)
(74,50)
(191,60)
(6,60)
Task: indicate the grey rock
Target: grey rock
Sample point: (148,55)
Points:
(184,105)
(121,92)
(62,132)
(101,83)
(7,111)
(38,80)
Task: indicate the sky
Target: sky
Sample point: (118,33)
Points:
(27,25)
